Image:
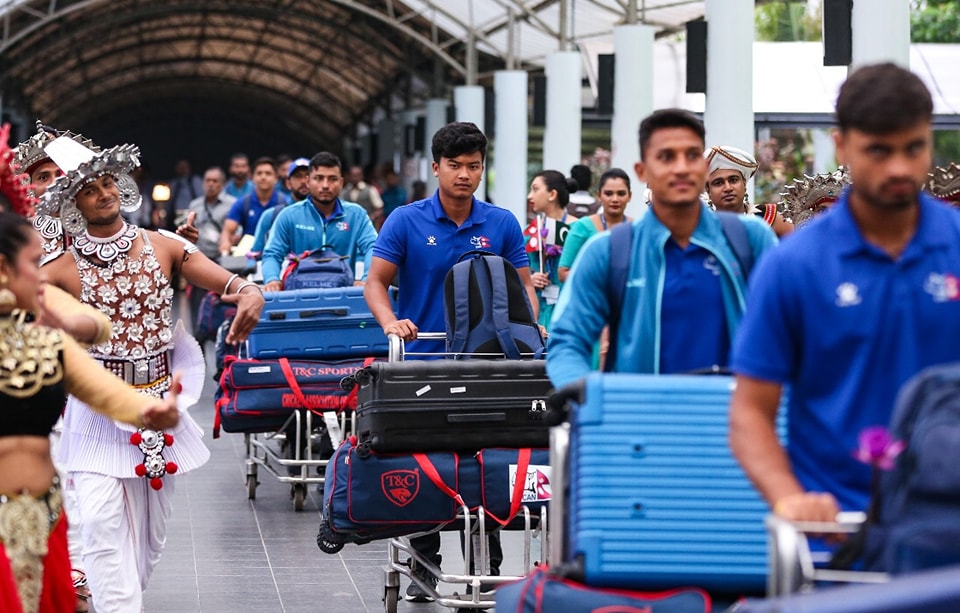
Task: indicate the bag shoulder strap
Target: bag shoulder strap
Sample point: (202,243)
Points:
(736,234)
(621,245)
(501,306)
(461,307)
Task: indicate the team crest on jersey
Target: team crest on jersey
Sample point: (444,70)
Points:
(848,295)
(431,241)
(343,226)
(943,287)
(480,242)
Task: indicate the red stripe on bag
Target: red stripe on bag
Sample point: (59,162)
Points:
(431,471)
(516,496)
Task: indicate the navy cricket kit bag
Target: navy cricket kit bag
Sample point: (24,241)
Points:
(543,592)
(260,395)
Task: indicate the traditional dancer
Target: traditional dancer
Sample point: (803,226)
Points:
(123,484)
(38,364)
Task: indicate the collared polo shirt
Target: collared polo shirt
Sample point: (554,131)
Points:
(692,322)
(246,211)
(424,243)
(846,325)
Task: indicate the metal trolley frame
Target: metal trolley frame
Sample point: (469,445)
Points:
(474,529)
(263,450)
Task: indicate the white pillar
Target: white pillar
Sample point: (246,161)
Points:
(510,149)
(881,32)
(632,101)
(728,110)
(436,119)
(824,152)
(468,101)
(561,135)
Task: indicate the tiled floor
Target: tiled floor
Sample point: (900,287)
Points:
(226,553)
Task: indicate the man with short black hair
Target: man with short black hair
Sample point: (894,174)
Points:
(319,220)
(240,184)
(246,211)
(685,289)
(850,307)
(421,242)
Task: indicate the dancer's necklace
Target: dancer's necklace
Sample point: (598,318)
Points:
(109,248)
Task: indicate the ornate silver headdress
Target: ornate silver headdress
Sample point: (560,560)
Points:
(807,196)
(32,151)
(944,183)
(81,165)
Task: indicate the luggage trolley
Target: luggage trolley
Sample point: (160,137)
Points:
(344,313)
(261,452)
(474,528)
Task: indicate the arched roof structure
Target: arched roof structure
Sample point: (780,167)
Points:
(206,77)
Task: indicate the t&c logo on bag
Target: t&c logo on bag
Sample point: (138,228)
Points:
(400,486)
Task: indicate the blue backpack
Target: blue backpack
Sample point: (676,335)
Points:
(487,310)
(321,267)
(914,518)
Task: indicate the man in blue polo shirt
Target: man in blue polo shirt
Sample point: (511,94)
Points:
(849,307)
(322,219)
(421,242)
(246,211)
(298,179)
(684,292)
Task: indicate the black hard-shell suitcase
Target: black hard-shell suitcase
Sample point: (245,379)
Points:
(452,405)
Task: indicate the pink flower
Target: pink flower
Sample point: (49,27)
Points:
(877,448)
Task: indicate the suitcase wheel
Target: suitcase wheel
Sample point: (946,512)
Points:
(327,540)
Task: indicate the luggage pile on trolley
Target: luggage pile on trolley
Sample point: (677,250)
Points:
(443,445)
(282,389)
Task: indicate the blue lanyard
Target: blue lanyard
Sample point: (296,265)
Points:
(603,220)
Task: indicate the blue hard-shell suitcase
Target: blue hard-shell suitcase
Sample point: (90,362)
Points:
(317,324)
(655,498)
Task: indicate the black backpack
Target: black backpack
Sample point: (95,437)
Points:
(487,310)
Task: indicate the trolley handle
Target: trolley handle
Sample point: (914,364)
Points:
(561,400)
(396,351)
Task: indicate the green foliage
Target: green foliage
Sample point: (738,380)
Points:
(786,21)
(935,21)
(946,147)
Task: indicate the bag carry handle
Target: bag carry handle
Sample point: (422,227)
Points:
(516,496)
(431,472)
